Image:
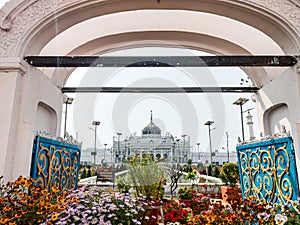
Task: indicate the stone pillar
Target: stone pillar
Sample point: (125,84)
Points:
(283,91)
(12,71)
(24,91)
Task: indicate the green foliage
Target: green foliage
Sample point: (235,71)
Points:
(191,176)
(209,170)
(230,174)
(146,176)
(216,172)
(123,184)
(89,173)
(185,193)
(83,174)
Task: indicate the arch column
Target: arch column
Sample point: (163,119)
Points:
(11,72)
(283,92)
(22,89)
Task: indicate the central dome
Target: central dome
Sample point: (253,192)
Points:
(151,128)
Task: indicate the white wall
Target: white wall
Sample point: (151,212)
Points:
(46,119)
(29,102)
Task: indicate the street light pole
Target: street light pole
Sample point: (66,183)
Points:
(69,101)
(198,144)
(119,134)
(184,151)
(95,123)
(227,146)
(241,102)
(104,151)
(209,123)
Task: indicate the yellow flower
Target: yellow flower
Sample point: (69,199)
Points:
(42,202)
(61,207)
(55,189)
(54,216)
(6,209)
(4,220)
(17,216)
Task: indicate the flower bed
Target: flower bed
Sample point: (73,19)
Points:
(23,203)
(249,211)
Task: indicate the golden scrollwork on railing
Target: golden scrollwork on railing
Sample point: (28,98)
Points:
(268,171)
(55,164)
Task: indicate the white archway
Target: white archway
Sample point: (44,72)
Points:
(35,27)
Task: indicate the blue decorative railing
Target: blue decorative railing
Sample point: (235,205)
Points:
(55,163)
(268,170)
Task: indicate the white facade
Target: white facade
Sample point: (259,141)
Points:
(218,158)
(167,148)
(102,155)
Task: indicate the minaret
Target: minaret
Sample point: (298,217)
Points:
(250,124)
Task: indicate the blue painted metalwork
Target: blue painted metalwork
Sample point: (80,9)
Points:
(55,163)
(268,170)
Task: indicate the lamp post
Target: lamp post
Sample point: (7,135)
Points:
(95,123)
(241,102)
(227,146)
(173,152)
(198,144)
(184,151)
(119,134)
(178,149)
(104,151)
(125,148)
(69,101)
(209,123)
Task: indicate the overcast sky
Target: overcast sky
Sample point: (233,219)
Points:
(179,114)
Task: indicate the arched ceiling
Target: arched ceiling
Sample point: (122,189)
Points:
(206,32)
(207,24)
(65,27)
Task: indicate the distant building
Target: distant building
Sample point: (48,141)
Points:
(87,156)
(218,158)
(166,148)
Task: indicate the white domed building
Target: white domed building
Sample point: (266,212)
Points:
(164,147)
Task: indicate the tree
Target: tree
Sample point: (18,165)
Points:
(174,175)
(216,172)
(89,173)
(83,174)
(209,170)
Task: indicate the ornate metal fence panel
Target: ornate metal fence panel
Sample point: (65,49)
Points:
(55,163)
(268,170)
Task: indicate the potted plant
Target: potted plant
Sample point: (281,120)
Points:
(230,176)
